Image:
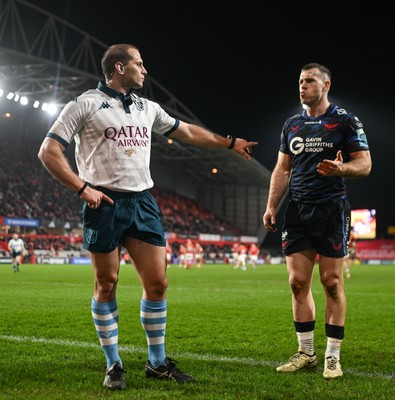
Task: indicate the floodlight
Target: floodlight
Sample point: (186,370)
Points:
(52,109)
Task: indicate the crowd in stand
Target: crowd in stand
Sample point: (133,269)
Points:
(183,215)
(28,191)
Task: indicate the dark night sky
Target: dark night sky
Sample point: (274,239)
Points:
(237,67)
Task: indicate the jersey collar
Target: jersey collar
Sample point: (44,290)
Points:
(127,99)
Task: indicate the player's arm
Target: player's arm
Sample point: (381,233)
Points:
(52,157)
(359,166)
(202,137)
(278,186)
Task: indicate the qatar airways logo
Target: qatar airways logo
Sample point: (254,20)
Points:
(309,145)
(128,136)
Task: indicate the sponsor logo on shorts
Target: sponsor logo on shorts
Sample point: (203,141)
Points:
(337,246)
(91,235)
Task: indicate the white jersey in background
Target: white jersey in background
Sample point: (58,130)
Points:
(16,245)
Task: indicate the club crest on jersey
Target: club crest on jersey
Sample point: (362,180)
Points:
(139,105)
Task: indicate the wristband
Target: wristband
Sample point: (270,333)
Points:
(232,142)
(82,189)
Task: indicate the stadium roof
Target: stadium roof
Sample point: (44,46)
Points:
(48,59)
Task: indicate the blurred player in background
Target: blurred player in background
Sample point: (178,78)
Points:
(189,253)
(319,148)
(241,261)
(16,247)
(198,255)
(235,253)
(182,256)
(253,253)
(169,254)
(112,128)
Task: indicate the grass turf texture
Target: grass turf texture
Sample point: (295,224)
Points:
(226,327)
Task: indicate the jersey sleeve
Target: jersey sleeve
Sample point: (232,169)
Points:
(164,124)
(356,139)
(70,121)
(284,147)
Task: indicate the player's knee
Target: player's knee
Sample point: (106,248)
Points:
(156,288)
(299,284)
(332,287)
(105,289)
(296,288)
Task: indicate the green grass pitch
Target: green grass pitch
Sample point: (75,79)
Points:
(228,328)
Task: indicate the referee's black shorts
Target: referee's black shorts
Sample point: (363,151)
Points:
(324,228)
(133,214)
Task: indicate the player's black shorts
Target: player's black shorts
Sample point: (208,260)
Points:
(324,228)
(15,254)
(133,214)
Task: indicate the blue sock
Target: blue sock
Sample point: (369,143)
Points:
(105,316)
(153,315)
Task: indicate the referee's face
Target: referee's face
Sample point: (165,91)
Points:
(134,71)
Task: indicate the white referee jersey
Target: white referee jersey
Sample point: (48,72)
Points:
(113,142)
(16,245)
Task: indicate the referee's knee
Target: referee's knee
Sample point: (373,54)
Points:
(156,290)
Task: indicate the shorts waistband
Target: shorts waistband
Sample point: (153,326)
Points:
(119,195)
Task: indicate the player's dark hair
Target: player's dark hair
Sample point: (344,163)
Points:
(115,53)
(320,67)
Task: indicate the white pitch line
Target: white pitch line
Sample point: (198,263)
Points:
(193,356)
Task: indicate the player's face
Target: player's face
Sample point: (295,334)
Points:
(134,71)
(311,87)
